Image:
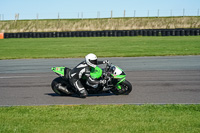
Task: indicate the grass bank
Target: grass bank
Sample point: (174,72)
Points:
(101,118)
(60,25)
(102,46)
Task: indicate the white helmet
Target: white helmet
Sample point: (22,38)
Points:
(91,60)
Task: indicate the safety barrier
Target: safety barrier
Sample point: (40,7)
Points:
(1,35)
(112,33)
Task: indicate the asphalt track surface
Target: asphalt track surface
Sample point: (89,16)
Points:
(155,80)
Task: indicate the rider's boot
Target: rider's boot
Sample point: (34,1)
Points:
(83,93)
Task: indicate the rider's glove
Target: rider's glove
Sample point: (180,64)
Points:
(105,62)
(102,81)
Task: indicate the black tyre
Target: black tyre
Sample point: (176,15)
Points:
(126,88)
(55,83)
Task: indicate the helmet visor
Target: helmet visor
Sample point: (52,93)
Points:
(93,61)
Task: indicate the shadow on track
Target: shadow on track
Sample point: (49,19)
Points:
(76,96)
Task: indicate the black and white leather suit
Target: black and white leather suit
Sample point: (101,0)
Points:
(76,74)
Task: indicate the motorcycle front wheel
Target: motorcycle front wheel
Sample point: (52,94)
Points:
(126,88)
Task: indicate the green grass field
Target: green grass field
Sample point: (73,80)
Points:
(101,46)
(101,119)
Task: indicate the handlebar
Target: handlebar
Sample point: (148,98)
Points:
(107,66)
(106,74)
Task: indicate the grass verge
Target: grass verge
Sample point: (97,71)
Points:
(101,118)
(102,46)
(99,24)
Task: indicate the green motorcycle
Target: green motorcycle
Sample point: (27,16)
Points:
(115,77)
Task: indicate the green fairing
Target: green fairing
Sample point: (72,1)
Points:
(59,70)
(118,76)
(121,77)
(96,72)
(122,80)
(118,87)
(118,84)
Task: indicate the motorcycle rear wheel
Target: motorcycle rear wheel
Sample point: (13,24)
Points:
(126,88)
(54,86)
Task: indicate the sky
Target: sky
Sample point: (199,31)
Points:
(49,9)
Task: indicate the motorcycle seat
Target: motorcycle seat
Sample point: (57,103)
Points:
(66,73)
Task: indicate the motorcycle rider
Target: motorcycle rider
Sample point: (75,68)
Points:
(84,68)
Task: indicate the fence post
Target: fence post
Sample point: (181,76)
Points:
(37,16)
(134,13)
(82,15)
(98,14)
(58,23)
(16,16)
(183,12)
(171,13)
(58,16)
